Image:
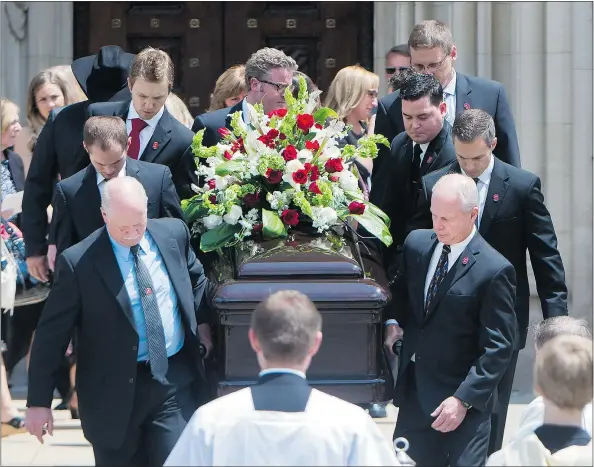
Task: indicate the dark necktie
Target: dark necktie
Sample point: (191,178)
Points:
(476,221)
(415,170)
(138,124)
(155,333)
(476,180)
(440,272)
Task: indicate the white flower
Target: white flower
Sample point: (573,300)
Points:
(233,215)
(195,188)
(305,155)
(212,221)
(348,181)
(330,152)
(294,166)
(221,182)
(312,102)
(328,215)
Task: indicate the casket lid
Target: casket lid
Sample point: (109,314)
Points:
(300,256)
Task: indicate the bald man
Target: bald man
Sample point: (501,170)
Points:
(453,303)
(135,294)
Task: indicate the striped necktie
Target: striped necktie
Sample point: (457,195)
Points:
(440,272)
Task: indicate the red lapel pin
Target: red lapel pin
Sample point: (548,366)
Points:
(466,106)
(155,145)
(495,197)
(429,159)
(148,291)
(465,260)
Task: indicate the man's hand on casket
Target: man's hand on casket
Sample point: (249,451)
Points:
(205,336)
(392,333)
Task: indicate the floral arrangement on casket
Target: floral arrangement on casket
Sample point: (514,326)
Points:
(281,170)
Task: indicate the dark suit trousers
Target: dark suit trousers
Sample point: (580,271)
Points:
(159,416)
(499,416)
(466,446)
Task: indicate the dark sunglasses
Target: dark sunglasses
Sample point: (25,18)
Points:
(390,70)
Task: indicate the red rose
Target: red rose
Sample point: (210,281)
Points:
(300,176)
(278,113)
(224,132)
(318,126)
(267,141)
(307,167)
(238,145)
(273,133)
(314,188)
(333,165)
(305,122)
(290,153)
(356,207)
(282,136)
(228,155)
(334,177)
(212,199)
(314,174)
(312,145)
(212,184)
(251,199)
(274,176)
(257,229)
(290,217)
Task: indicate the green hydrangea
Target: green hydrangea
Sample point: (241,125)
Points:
(218,209)
(368,145)
(202,151)
(301,202)
(325,199)
(270,161)
(236,125)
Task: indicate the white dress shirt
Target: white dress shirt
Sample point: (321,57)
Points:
(147,132)
(449,93)
(482,186)
(455,252)
(101,180)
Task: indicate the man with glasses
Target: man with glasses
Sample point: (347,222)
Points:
(432,51)
(77,200)
(268,73)
(397,60)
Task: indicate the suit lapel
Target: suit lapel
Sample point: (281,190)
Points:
(498,186)
(424,261)
(133,168)
(121,109)
(160,138)
(107,266)
(430,160)
(463,93)
(88,200)
(463,264)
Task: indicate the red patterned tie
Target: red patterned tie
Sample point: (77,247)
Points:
(138,124)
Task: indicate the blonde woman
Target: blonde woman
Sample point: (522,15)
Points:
(353,96)
(178,109)
(230,88)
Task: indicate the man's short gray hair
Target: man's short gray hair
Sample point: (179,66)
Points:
(560,325)
(472,124)
(122,188)
(265,60)
(462,186)
(286,325)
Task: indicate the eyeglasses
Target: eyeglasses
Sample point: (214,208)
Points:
(390,70)
(280,87)
(431,68)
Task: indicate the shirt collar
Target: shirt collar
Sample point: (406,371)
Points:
(244,110)
(457,248)
(124,251)
(485,177)
(282,370)
(121,173)
(451,87)
(152,122)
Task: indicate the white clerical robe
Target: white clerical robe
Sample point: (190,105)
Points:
(229,431)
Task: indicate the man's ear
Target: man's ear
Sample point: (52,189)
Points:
(253,340)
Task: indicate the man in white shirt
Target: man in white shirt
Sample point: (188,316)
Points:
(514,220)
(453,302)
(282,420)
(533,415)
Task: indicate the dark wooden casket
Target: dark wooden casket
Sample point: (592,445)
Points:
(351,363)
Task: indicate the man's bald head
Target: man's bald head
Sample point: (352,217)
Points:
(454,207)
(124,210)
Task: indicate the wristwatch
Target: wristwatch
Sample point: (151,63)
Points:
(465,404)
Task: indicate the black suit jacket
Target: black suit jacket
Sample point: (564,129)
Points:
(17,173)
(396,193)
(77,201)
(173,145)
(478,93)
(212,121)
(515,220)
(464,343)
(89,294)
(58,151)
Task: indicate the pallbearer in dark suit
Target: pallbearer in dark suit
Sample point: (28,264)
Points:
(77,202)
(155,136)
(453,300)
(281,420)
(513,219)
(135,293)
(425,146)
(268,73)
(432,50)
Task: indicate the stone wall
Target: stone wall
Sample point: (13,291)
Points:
(542,53)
